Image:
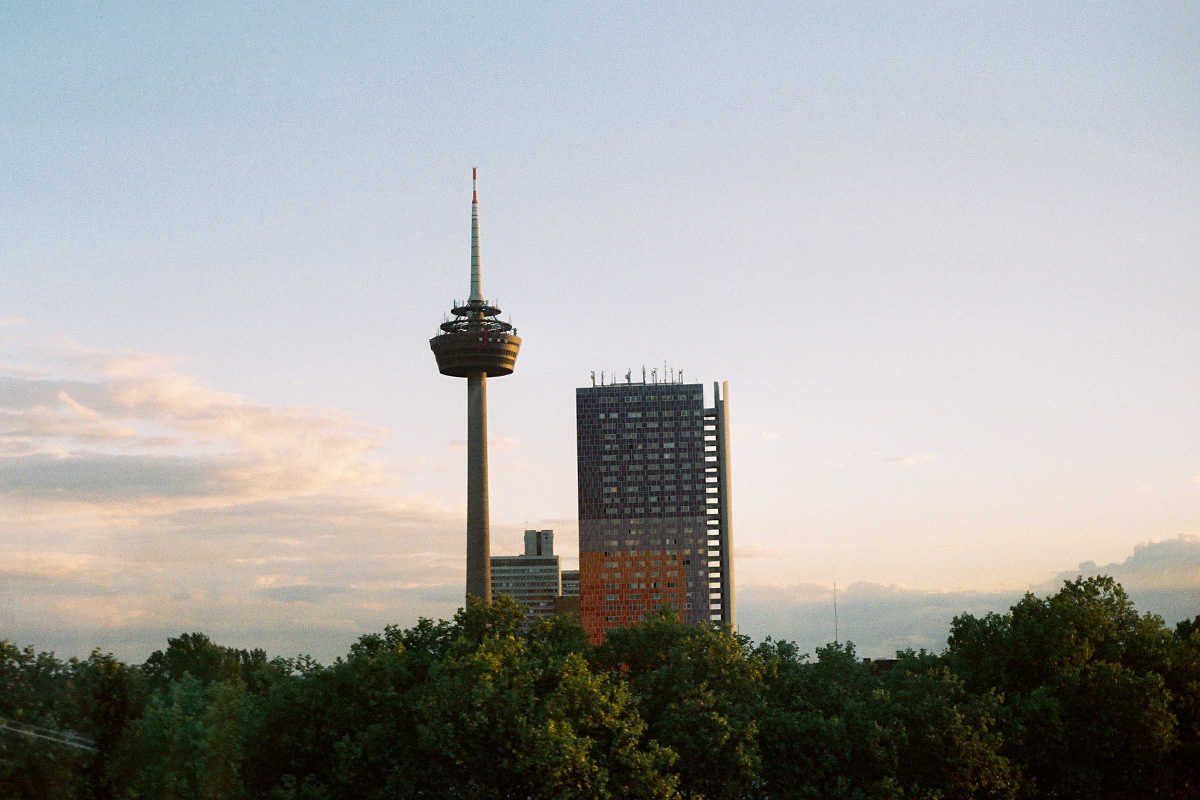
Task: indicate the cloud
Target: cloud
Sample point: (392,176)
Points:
(879,618)
(1165,564)
(120,435)
(755,551)
(311,573)
(741,429)
(504,444)
(1160,577)
(908,461)
(19,565)
(496,444)
(302,593)
(136,503)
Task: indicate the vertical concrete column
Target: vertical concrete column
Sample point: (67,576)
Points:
(479,551)
(721,402)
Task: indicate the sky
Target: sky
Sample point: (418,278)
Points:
(947,258)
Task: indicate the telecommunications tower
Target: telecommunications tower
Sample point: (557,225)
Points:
(473,345)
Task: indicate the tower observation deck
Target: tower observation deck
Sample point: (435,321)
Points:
(475,344)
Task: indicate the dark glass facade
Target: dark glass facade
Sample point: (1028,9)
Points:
(647,479)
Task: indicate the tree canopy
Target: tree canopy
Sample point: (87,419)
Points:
(1074,695)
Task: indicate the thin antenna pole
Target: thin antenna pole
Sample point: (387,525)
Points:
(835,619)
(476,279)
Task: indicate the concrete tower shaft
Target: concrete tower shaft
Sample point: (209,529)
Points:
(474,344)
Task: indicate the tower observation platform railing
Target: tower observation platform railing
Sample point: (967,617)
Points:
(476,342)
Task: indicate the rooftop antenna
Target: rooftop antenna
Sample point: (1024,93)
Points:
(654,374)
(629,377)
(681,376)
(593,379)
(643,373)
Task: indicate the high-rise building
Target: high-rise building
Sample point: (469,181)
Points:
(531,579)
(654,503)
(473,345)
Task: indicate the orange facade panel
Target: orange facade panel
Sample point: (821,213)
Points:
(620,588)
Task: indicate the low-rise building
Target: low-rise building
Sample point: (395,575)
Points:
(532,579)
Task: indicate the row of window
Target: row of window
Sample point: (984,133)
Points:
(668,454)
(648,414)
(609,398)
(630,564)
(636,455)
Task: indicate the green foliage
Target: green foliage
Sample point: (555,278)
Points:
(950,746)
(1073,696)
(1183,684)
(478,707)
(1087,710)
(109,699)
(34,690)
(699,690)
(196,655)
(189,744)
(837,729)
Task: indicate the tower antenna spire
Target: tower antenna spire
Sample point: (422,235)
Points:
(476,280)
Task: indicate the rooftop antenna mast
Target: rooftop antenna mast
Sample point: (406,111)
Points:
(835,619)
(476,279)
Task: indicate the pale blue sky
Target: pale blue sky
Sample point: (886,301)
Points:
(948,258)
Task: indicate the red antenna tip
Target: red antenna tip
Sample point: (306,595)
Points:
(473,171)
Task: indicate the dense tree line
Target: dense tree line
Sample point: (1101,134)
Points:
(1070,696)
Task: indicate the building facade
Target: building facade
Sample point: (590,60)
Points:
(570,583)
(532,579)
(538,543)
(654,504)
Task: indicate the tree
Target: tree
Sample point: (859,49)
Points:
(188,742)
(700,691)
(109,697)
(1182,678)
(480,707)
(1087,712)
(821,735)
(197,655)
(950,747)
(34,690)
